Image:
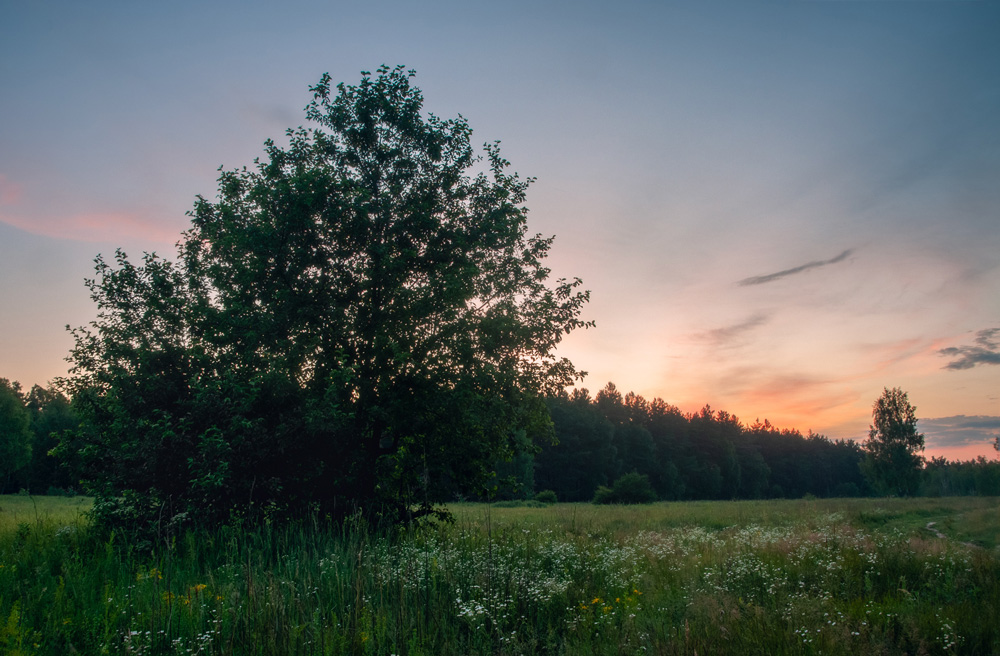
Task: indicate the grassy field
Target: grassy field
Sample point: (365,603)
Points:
(23,509)
(844,576)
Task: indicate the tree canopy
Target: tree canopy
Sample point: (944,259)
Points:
(707,454)
(893,459)
(51,414)
(358,320)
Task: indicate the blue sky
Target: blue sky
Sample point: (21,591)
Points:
(780,207)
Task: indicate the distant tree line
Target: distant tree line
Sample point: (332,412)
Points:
(599,441)
(708,455)
(30,428)
(953,478)
(705,455)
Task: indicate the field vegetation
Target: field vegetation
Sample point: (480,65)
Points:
(831,576)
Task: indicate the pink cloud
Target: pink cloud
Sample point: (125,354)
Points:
(788,400)
(95,227)
(967,452)
(805,400)
(10,192)
(84,226)
(923,354)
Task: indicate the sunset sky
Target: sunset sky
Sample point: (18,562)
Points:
(780,207)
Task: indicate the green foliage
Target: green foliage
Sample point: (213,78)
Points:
(942,477)
(51,414)
(519,503)
(634,488)
(775,577)
(628,489)
(357,321)
(603,495)
(15,434)
(704,455)
(893,461)
(515,475)
(546,496)
(582,457)
(847,489)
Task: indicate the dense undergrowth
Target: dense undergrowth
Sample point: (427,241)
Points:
(806,577)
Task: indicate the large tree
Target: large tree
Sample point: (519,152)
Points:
(359,320)
(893,461)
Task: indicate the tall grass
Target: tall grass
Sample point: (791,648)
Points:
(807,577)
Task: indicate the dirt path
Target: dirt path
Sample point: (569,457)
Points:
(930,527)
(937,533)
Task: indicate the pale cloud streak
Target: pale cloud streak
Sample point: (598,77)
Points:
(771,277)
(729,336)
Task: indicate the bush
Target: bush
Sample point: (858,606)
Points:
(604,495)
(546,496)
(519,503)
(634,488)
(630,488)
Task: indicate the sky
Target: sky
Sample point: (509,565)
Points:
(780,207)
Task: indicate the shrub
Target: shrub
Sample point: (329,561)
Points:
(634,488)
(630,488)
(519,503)
(604,495)
(546,496)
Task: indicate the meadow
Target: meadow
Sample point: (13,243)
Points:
(830,576)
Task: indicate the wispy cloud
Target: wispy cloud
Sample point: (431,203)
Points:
(799,395)
(985,351)
(271,114)
(960,430)
(771,277)
(730,335)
